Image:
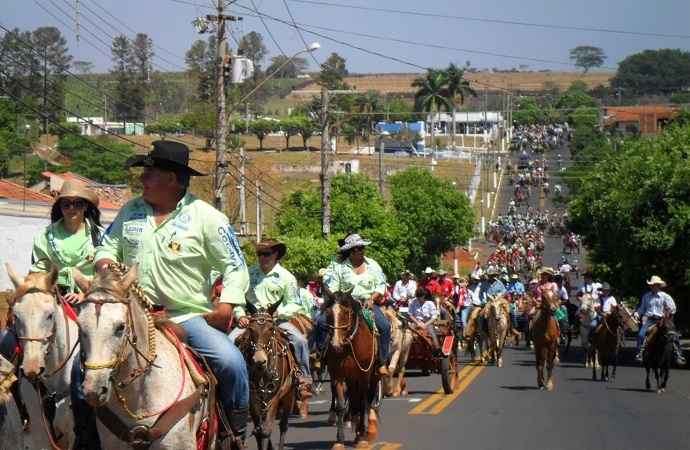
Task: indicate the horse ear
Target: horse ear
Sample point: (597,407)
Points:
(129,278)
(349,293)
(17,279)
(52,277)
(80,280)
(250,307)
(274,307)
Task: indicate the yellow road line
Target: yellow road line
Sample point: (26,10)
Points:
(465,377)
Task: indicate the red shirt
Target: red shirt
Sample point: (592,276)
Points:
(447,288)
(433,287)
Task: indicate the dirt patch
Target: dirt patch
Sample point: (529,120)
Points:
(4,307)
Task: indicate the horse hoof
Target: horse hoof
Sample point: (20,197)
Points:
(347,424)
(338,447)
(332,420)
(362,444)
(661,391)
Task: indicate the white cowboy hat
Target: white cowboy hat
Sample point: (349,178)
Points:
(429,270)
(656,280)
(352,241)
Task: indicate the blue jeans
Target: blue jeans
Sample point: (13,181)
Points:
(463,315)
(384,326)
(8,343)
(593,325)
(225,360)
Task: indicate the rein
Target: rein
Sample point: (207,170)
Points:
(352,335)
(273,348)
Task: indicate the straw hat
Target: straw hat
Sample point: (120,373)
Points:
(73,188)
(656,280)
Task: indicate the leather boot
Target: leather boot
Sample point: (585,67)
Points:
(237,418)
(85,430)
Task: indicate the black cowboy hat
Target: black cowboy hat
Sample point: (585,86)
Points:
(164,154)
(589,274)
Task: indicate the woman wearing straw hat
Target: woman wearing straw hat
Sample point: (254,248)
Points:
(352,270)
(655,305)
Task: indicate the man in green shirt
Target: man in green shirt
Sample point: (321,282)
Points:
(178,240)
(269,283)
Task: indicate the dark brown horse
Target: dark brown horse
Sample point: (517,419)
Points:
(272,381)
(607,340)
(659,353)
(545,336)
(351,356)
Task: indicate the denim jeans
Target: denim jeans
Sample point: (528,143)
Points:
(225,360)
(8,343)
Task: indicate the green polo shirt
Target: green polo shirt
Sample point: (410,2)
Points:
(342,277)
(176,258)
(267,289)
(64,251)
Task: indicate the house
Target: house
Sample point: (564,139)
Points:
(648,119)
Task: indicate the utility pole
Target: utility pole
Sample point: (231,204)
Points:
(382,149)
(325,178)
(222,120)
(259,211)
(243,197)
(325,155)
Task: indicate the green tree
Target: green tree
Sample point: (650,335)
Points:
(586,57)
(456,89)
(654,71)
(437,216)
(333,72)
(201,61)
(578,85)
(633,209)
(261,128)
(526,111)
(295,67)
(568,102)
(356,207)
(253,47)
(432,96)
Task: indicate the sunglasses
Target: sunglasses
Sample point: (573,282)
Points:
(77,204)
(264,254)
(358,249)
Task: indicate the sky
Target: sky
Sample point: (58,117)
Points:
(382,36)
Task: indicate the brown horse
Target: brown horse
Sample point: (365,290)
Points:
(659,345)
(545,336)
(497,312)
(607,340)
(351,364)
(271,368)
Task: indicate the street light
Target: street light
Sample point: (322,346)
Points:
(313,47)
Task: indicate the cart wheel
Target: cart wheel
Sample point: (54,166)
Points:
(449,373)
(379,395)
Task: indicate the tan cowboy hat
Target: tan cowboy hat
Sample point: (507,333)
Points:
(605,286)
(493,272)
(514,277)
(656,280)
(73,188)
(441,272)
(547,270)
(461,281)
(270,244)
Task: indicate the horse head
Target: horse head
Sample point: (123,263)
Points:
(36,312)
(496,307)
(342,318)
(668,329)
(548,300)
(109,323)
(262,331)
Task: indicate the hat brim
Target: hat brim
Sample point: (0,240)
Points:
(348,247)
(279,247)
(87,195)
(139,161)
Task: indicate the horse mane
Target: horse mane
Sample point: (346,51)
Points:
(31,281)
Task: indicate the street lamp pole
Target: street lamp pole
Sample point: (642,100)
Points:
(313,47)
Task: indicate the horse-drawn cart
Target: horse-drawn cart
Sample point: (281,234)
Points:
(422,355)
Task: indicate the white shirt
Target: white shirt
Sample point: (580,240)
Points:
(404,291)
(592,289)
(609,302)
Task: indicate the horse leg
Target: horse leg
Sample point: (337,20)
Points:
(362,421)
(550,362)
(372,429)
(304,409)
(339,393)
(647,384)
(664,374)
(615,362)
(332,416)
(540,368)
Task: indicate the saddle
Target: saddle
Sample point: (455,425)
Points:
(304,324)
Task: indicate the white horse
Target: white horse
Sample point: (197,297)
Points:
(401,341)
(134,374)
(587,308)
(49,342)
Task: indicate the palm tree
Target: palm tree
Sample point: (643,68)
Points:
(456,88)
(431,97)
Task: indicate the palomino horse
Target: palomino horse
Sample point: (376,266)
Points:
(607,340)
(588,313)
(135,376)
(272,379)
(545,337)
(401,341)
(48,339)
(659,345)
(351,364)
(498,312)
(10,419)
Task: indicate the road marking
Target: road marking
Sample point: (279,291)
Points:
(384,446)
(438,401)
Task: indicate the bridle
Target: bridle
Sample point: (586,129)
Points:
(53,332)
(350,312)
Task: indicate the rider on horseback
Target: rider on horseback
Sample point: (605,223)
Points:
(351,270)
(656,304)
(606,302)
(269,282)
